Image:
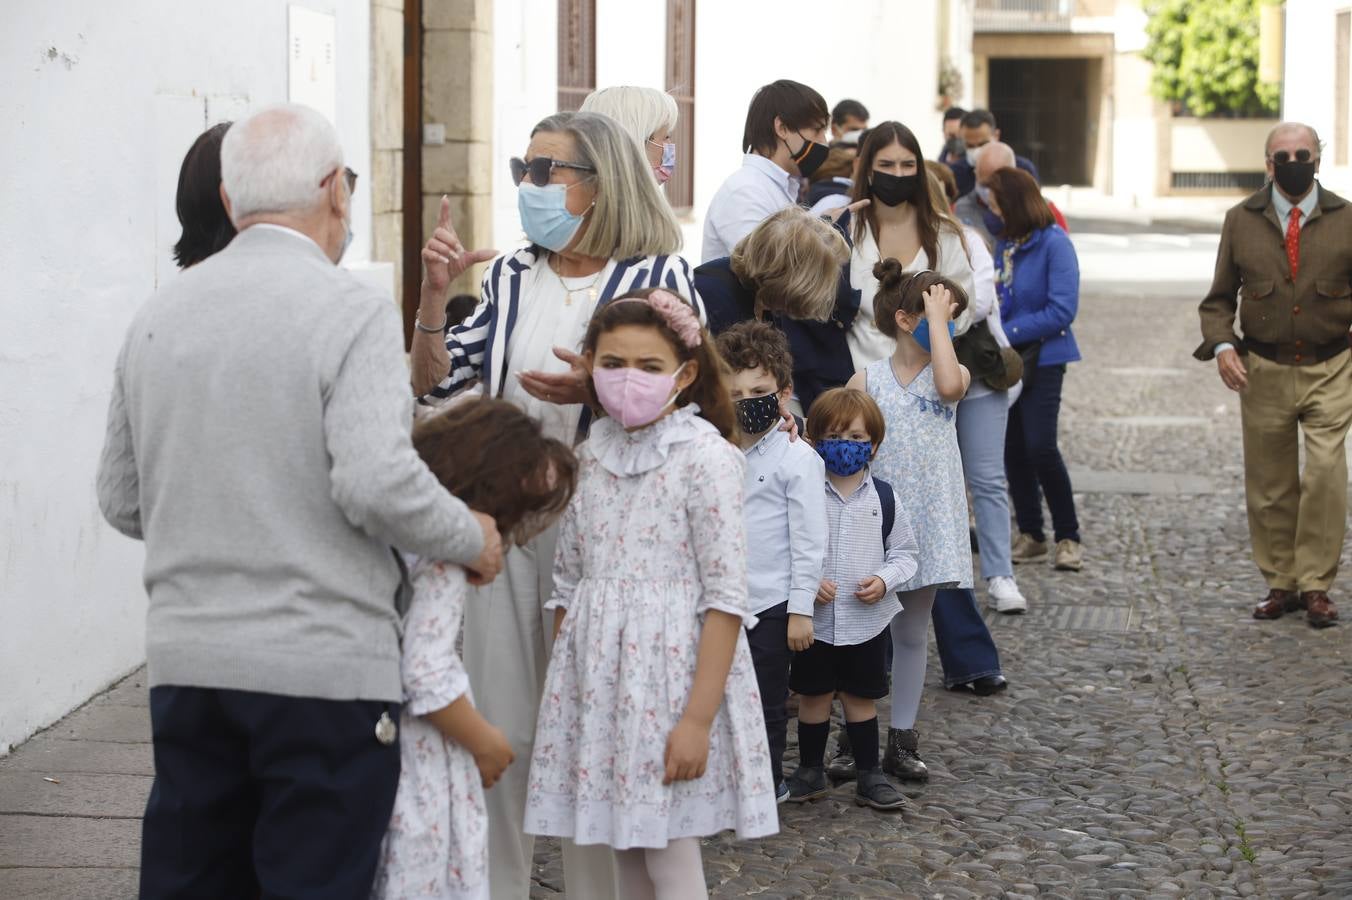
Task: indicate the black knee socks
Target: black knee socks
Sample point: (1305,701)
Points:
(864,742)
(812,742)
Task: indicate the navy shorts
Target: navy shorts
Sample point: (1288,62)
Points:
(856,669)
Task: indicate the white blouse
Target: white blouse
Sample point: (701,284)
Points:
(551,317)
(867,343)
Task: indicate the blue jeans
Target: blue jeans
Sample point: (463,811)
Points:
(1033,459)
(981,439)
(966,647)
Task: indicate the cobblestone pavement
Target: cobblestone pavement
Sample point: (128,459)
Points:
(1156,740)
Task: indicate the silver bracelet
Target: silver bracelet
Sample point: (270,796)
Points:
(417,323)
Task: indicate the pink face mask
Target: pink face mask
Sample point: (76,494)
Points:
(633,397)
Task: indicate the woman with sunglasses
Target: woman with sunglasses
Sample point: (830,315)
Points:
(649,115)
(598,228)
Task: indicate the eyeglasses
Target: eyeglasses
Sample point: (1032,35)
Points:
(540,168)
(1281,157)
(348,175)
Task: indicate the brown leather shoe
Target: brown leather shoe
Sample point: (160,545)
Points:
(1319,609)
(1276,603)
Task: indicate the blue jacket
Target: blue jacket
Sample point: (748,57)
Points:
(821,357)
(1042,298)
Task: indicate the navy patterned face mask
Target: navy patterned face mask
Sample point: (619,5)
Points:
(757,414)
(845,457)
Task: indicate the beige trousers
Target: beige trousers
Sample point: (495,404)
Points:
(506,653)
(1297,520)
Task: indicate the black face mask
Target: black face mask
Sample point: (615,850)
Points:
(1294,177)
(757,414)
(809,157)
(891,190)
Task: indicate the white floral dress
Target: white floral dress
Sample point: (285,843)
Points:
(653,539)
(437,843)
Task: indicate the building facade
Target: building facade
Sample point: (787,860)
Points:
(1317,87)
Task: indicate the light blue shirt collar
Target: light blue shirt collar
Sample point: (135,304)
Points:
(783,180)
(1283,206)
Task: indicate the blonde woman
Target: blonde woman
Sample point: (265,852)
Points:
(649,115)
(789,268)
(598,228)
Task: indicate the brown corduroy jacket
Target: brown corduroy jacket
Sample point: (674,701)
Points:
(1296,316)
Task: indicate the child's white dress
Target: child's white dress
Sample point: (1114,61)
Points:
(437,843)
(653,538)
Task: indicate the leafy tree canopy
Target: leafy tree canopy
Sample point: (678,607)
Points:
(1205,54)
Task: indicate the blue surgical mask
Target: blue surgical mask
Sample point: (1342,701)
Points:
(844,457)
(922,335)
(545,216)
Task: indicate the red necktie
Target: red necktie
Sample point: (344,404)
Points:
(1293,242)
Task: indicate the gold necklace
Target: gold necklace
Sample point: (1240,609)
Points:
(589,289)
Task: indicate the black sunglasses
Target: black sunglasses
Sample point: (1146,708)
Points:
(1281,157)
(540,168)
(348,175)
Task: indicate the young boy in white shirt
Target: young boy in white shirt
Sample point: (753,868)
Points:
(871,551)
(785,520)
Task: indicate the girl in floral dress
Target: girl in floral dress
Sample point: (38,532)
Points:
(650,732)
(495,458)
(918,388)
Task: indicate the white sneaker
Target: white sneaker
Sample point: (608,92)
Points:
(1002,595)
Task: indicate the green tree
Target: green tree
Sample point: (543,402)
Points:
(1205,54)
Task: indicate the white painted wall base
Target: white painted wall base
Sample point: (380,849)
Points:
(99,104)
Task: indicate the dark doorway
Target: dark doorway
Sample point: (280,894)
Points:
(1043,107)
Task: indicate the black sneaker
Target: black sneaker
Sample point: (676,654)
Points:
(902,759)
(781,792)
(807,783)
(842,767)
(873,789)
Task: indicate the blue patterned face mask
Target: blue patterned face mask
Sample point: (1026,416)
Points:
(845,457)
(922,335)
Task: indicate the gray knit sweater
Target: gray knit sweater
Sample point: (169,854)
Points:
(258,441)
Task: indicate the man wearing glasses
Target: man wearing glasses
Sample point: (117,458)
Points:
(1288,251)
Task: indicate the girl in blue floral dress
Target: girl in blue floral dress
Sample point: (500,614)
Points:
(918,389)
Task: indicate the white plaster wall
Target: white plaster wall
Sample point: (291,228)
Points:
(1218,145)
(99,103)
(525,90)
(1307,94)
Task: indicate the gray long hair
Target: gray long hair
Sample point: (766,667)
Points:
(631,218)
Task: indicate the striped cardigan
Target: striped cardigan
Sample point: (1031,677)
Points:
(478,346)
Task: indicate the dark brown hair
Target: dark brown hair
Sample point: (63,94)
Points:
(206,226)
(496,459)
(750,344)
(927,223)
(837,408)
(796,105)
(900,291)
(1021,205)
(708,390)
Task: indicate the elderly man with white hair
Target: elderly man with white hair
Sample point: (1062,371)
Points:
(258,442)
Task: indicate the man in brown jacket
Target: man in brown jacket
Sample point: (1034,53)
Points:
(1288,251)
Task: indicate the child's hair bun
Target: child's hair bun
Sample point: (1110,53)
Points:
(889,274)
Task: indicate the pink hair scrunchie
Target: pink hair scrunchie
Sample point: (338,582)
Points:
(679,315)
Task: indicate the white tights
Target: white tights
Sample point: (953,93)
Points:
(910,652)
(674,872)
